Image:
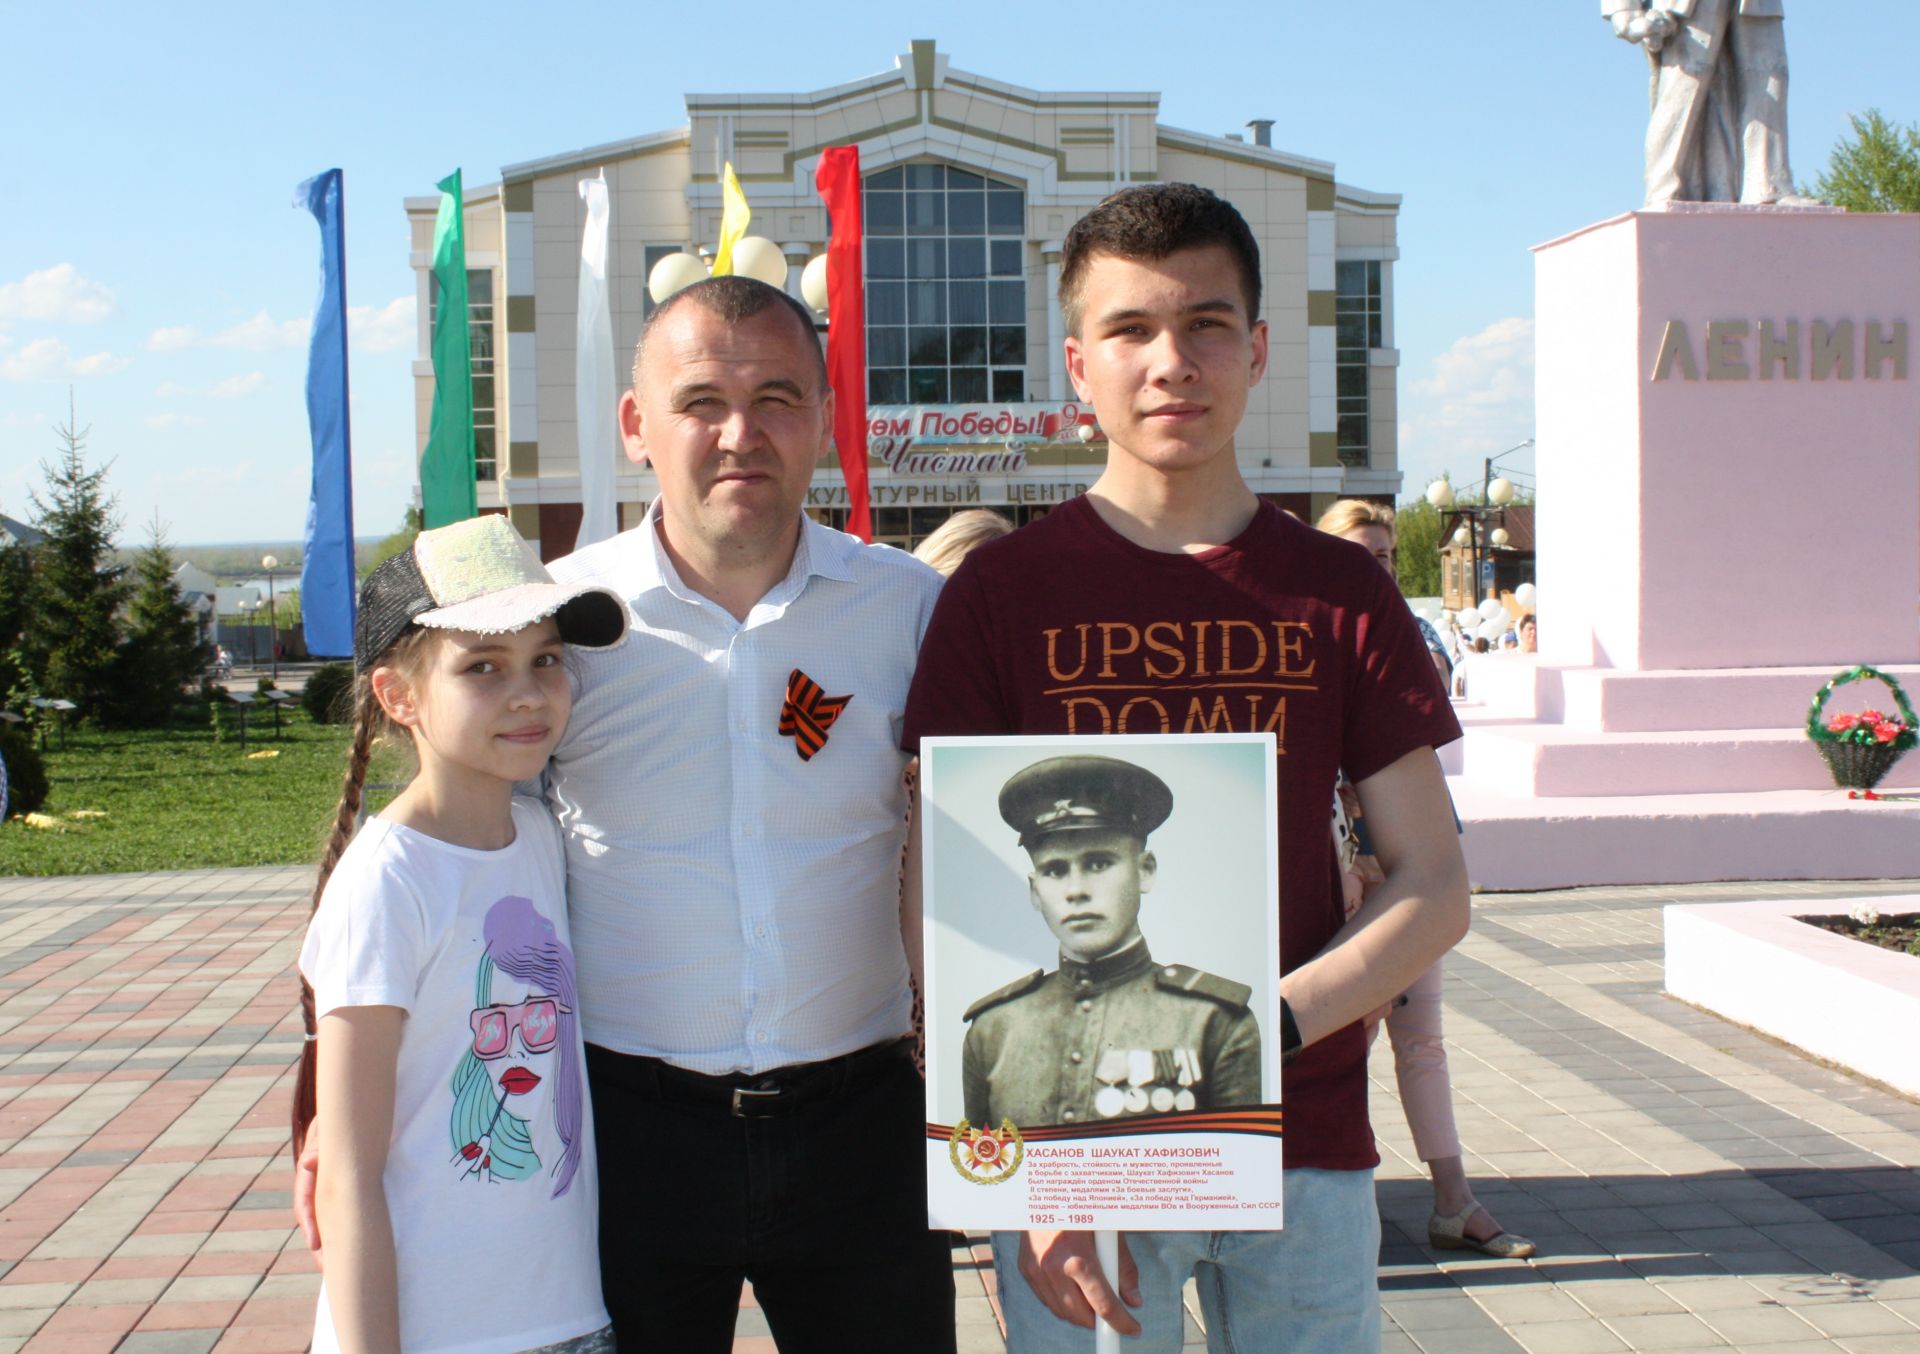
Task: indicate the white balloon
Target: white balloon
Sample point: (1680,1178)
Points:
(813,283)
(1490,631)
(758,257)
(672,273)
(1526,595)
(1491,610)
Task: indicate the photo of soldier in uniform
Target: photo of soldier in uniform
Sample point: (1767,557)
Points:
(1113,1030)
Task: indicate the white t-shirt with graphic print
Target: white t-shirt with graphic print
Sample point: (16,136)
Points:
(490,1176)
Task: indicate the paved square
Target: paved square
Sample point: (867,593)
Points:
(1692,1185)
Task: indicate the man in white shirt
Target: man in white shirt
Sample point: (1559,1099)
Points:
(731,794)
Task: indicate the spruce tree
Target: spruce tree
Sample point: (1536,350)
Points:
(163,652)
(16,612)
(73,636)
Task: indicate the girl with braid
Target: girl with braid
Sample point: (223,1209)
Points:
(443,1057)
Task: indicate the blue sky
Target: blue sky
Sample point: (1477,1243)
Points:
(150,255)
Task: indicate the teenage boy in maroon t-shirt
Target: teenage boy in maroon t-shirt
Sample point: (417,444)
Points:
(1170,599)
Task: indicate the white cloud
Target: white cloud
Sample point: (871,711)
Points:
(237,387)
(59,293)
(389,329)
(47,359)
(172,340)
(261,334)
(232,388)
(1476,401)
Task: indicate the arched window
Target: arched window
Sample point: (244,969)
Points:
(946,286)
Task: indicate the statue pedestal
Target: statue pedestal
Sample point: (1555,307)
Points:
(1728,417)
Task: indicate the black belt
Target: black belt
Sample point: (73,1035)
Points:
(757,1095)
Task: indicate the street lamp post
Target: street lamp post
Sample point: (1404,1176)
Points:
(269,563)
(249,609)
(1486,520)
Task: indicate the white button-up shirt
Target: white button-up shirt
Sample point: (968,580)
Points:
(734,907)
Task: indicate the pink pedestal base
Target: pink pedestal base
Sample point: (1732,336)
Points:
(1695,438)
(1518,843)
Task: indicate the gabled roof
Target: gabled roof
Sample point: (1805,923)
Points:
(12,530)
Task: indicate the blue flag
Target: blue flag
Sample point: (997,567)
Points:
(327,583)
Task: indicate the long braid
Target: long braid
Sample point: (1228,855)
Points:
(368,720)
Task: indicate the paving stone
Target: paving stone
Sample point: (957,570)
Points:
(1567,1337)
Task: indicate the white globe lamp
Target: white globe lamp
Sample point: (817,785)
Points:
(1440,494)
(760,258)
(813,283)
(672,273)
(1500,492)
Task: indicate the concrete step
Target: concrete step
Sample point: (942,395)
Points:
(1554,761)
(1711,698)
(1610,700)
(1518,843)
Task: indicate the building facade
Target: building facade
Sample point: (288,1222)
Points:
(970,187)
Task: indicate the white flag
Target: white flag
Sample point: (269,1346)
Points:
(594,394)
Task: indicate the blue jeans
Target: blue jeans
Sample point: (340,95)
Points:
(1311,1289)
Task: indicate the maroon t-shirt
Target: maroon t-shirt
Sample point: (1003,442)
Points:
(1066,627)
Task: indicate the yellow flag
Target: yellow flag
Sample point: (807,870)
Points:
(734,216)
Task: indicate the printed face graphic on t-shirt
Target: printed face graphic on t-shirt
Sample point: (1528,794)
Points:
(517,1107)
(515,1038)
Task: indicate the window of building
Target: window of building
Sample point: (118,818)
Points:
(1357,330)
(479,364)
(946,286)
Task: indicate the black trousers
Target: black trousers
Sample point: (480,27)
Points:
(819,1202)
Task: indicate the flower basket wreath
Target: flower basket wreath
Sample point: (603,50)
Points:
(1861,748)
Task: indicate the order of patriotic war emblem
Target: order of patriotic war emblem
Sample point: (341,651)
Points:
(986,1156)
(1111,1031)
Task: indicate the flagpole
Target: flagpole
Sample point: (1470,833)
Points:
(327,567)
(447,489)
(594,394)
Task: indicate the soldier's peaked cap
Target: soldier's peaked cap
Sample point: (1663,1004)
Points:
(1083,794)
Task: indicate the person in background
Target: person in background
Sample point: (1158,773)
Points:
(957,536)
(1459,1221)
(1371,524)
(1529,630)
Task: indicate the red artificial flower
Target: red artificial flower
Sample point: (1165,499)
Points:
(1841,723)
(1887,730)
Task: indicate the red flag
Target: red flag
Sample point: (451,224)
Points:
(838,180)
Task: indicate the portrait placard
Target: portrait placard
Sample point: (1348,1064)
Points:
(1102,931)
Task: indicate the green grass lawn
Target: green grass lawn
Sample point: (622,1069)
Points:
(173,799)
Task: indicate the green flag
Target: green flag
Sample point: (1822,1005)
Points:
(447,491)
